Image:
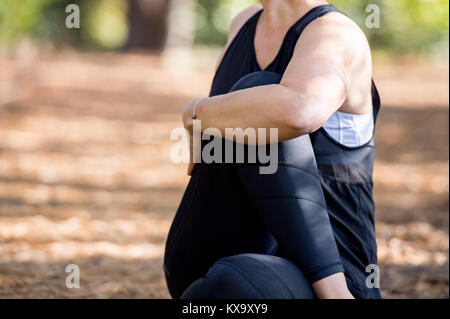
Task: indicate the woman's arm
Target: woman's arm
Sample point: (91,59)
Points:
(313,87)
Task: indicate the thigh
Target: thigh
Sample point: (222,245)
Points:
(251,276)
(214,220)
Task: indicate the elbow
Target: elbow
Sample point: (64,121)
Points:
(303,124)
(303,118)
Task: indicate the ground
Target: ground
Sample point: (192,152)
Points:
(85,176)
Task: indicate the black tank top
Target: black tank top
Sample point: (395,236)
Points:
(345,172)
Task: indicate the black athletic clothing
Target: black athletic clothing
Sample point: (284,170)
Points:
(218,218)
(251,276)
(291,205)
(290,202)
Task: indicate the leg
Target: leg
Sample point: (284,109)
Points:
(251,276)
(291,203)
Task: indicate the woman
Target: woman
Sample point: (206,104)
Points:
(306,231)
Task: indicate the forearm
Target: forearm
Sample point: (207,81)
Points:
(270,106)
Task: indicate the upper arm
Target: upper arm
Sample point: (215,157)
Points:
(238,22)
(320,71)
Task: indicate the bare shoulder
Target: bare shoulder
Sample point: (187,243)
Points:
(240,19)
(339,33)
(343,50)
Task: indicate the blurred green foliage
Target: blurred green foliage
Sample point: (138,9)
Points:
(214,19)
(102,24)
(406,25)
(20,17)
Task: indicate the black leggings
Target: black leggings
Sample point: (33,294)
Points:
(251,276)
(222,241)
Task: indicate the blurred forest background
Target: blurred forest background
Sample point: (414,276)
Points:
(85,119)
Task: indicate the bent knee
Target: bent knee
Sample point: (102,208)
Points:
(223,281)
(250,276)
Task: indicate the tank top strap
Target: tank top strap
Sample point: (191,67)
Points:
(312,15)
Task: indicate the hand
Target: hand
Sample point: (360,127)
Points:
(188,125)
(186,115)
(332,287)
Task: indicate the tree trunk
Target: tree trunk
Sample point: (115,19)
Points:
(148,24)
(181,27)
